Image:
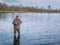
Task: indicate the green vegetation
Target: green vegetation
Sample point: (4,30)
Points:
(4,8)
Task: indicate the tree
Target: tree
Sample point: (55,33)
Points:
(49,6)
(41,8)
(4,6)
(0,6)
(20,5)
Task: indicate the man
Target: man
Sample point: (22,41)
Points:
(16,23)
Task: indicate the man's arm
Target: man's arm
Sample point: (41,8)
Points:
(13,22)
(20,21)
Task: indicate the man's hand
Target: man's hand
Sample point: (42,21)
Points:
(16,23)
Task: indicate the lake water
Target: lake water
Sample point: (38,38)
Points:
(36,29)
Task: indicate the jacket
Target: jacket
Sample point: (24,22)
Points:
(17,23)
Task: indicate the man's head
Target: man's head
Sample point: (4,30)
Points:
(17,17)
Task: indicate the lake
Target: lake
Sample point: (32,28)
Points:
(36,29)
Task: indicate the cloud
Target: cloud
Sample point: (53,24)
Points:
(41,2)
(44,2)
(0,0)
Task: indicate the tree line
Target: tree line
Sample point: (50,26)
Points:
(5,7)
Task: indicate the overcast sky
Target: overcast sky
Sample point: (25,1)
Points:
(39,3)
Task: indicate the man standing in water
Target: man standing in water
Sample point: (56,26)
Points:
(16,24)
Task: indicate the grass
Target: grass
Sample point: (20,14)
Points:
(32,11)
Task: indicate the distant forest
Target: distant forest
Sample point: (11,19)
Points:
(5,7)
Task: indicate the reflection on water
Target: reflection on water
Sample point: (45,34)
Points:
(3,16)
(16,40)
(36,29)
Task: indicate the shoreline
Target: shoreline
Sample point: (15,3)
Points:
(29,11)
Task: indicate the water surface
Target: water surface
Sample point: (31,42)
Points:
(36,29)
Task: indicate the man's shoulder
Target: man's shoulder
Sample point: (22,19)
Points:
(14,19)
(18,19)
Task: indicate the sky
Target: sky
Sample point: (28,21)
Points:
(55,4)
